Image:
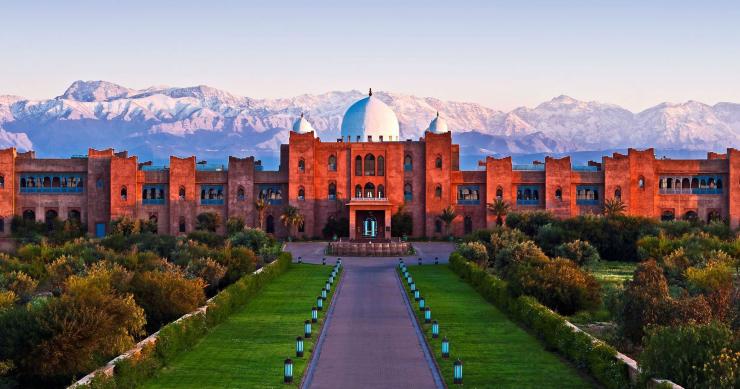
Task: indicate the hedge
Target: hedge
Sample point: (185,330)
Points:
(179,336)
(598,358)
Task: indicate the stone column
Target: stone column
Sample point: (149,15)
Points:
(387,213)
(352,223)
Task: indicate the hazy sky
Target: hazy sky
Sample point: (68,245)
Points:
(501,54)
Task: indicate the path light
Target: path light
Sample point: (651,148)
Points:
(436,260)
(299,347)
(323,261)
(320,303)
(288,371)
(331,279)
(445,348)
(427,315)
(307,329)
(410,280)
(435,329)
(323,293)
(419,261)
(421,303)
(314,314)
(413,287)
(457,374)
(327,286)
(300,259)
(417,295)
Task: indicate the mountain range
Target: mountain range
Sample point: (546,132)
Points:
(159,121)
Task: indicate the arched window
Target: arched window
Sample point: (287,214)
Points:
(160,194)
(618,193)
(240,193)
(685,183)
(29,215)
(124,193)
(358,191)
(358,166)
(301,193)
(152,193)
(559,194)
(47,182)
(596,194)
(438,192)
(438,226)
(527,194)
(2,182)
(535,194)
(154,222)
(468,224)
(694,183)
(56,183)
(99,183)
(381,191)
(438,162)
(667,216)
(23,182)
(641,182)
(711,183)
(301,165)
(369,190)
(332,163)
(408,164)
(182,227)
(719,183)
(499,193)
(50,218)
(381,166)
(181,193)
(74,215)
(270,224)
(332,191)
(369,165)
(211,194)
(690,216)
(144,194)
(408,194)
(713,216)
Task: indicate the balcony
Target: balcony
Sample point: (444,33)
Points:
(585,168)
(527,202)
(51,190)
(211,201)
(696,191)
(468,202)
(152,201)
(407,167)
(529,167)
(587,202)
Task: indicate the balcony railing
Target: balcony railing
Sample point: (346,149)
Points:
(369,199)
(152,201)
(408,167)
(529,166)
(587,202)
(37,189)
(585,168)
(212,201)
(697,191)
(527,202)
(468,202)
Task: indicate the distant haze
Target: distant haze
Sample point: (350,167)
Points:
(501,54)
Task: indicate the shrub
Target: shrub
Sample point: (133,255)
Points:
(723,370)
(20,283)
(208,270)
(208,221)
(7,299)
(474,251)
(252,238)
(335,227)
(61,268)
(643,300)
(578,251)
(402,224)
(207,237)
(680,353)
(529,222)
(239,261)
(166,295)
(234,225)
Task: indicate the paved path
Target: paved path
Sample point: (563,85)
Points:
(371,339)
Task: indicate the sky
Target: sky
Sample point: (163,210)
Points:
(502,54)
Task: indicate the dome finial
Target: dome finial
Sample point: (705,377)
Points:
(371,92)
(302,114)
(437,113)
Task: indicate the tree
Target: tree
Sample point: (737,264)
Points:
(208,221)
(234,225)
(499,208)
(260,206)
(447,216)
(291,218)
(402,224)
(614,207)
(166,295)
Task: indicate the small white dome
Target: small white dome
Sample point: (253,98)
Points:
(302,126)
(438,125)
(370,117)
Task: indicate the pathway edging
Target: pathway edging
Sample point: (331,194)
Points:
(308,374)
(431,362)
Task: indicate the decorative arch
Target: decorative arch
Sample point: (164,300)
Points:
(690,216)
(358,191)
(499,193)
(559,194)
(332,191)
(301,193)
(358,166)
(240,194)
(29,215)
(618,193)
(381,165)
(381,191)
(74,215)
(301,165)
(438,191)
(641,182)
(438,162)
(408,163)
(369,165)
(124,193)
(667,215)
(369,191)
(332,163)
(408,193)
(181,192)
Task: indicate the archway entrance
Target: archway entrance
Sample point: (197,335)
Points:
(370,227)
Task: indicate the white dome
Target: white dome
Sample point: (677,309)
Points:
(370,117)
(438,125)
(302,126)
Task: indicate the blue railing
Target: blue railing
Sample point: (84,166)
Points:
(407,167)
(154,168)
(587,202)
(408,196)
(527,202)
(210,168)
(585,168)
(698,191)
(153,201)
(529,166)
(212,201)
(78,156)
(50,190)
(468,202)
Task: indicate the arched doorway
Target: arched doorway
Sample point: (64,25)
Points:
(690,216)
(468,224)
(29,215)
(667,216)
(370,227)
(50,217)
(270,224)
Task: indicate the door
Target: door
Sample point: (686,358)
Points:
(371,227)
(99,230)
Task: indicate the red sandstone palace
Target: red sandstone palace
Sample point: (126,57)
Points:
(365,176)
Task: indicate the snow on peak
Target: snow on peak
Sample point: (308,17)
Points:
(95,91)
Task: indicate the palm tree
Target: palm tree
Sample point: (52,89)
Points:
(447,216)
(499,208)
(291,217)
(614,207)
(260,205)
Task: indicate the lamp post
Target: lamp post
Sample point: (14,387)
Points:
(410,280)
(307,329)
(445,348)
(427,315)
(323,293)
(323,261)
(417,295)
(288,371)
(300,259)
(314,314)
(320,303)
(299,347)
(457,374)
(331,279)
(327,286)
(421,303)
(419,261)
(436,260)
(413,286)
(435,329)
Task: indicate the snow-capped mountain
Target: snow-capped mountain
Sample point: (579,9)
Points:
(159,121)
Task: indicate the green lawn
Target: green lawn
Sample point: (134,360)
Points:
(495,351)
(248,349)
(612,272)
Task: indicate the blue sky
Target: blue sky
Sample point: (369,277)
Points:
(501,54)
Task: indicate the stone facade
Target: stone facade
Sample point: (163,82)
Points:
(360,181)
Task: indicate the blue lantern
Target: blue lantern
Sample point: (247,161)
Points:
(427,315)
(436,260)
(410,280)
(457,374)
(419,261)
(323,293)
(307,329)
(435,329)
(417,295)
(331,279)
(288,371)
(314,314)
(300,259)
(421,303)
(320,303)
(445,348)
(323,261)
(413,286)
(327,286)
(299,347)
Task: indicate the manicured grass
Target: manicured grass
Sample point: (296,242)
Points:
(612,272)
(248,349)
(495,351)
